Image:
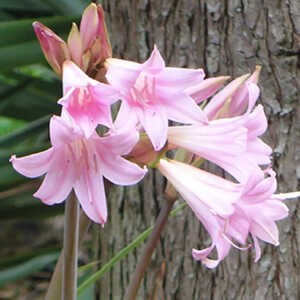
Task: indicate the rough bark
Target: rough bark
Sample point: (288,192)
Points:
(224,37)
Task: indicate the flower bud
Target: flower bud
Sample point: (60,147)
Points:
(54,48)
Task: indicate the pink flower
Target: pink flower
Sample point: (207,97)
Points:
(231,143)
(211,198)
(152,94)
(229,211)
(255,214)
(201,189)
(86,100)
(76,162)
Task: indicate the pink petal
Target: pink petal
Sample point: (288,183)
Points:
(119,142)
(257,249)
(104,94)
(126,118)
(202,256)
(75,45)
(260,191)
(155,124)
(200,188)
(119,170)
(213,141)
(88,104)
(155,62)
(122,74)
(33,165)
(89,189)
(275,209)
(179,78)
(254,92)
(74,77)
(183,109)
(206,88)
(246,95)
(238,226)
(259,152)
(61,133)
(59,180)
(216,103)
(89,26)
(264,228)
(256,122)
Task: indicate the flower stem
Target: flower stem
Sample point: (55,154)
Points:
(71,236)
(55,286)
(144,261)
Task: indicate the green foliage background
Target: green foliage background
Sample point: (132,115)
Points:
(29,91)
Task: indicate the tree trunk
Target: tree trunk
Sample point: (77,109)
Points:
(225,37)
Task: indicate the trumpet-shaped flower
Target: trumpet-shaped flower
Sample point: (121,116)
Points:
(152,94)
(231,143)
(86,100)
(76,162)
(228,211)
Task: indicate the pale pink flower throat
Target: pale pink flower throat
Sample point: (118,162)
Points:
(143,90)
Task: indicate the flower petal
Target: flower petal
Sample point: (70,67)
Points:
(59,180)
(62,133)
(182,108)
(155,124)
(122,74)
(119,142)
(74,77)
(119,170)
(200,188)
(216,103)
(179,79)
(33,165)
(206,88)
(89,188)
(155,63)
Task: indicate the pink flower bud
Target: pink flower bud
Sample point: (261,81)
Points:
(54,48)
(75,45)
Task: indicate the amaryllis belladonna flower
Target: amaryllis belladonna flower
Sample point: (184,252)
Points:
(76,162)
(152,94)
(231,143)
(87,100)
(230,212)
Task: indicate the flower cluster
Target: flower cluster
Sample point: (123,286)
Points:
(226,131)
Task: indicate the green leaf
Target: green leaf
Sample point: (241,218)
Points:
(88,266)
(25,132)
(121,254)
(9,177)
(7,125)
(21,257)
(68,7)
(89,293)
(31,5)
(26,53)
(25,206)
(18,32)
(25,269)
